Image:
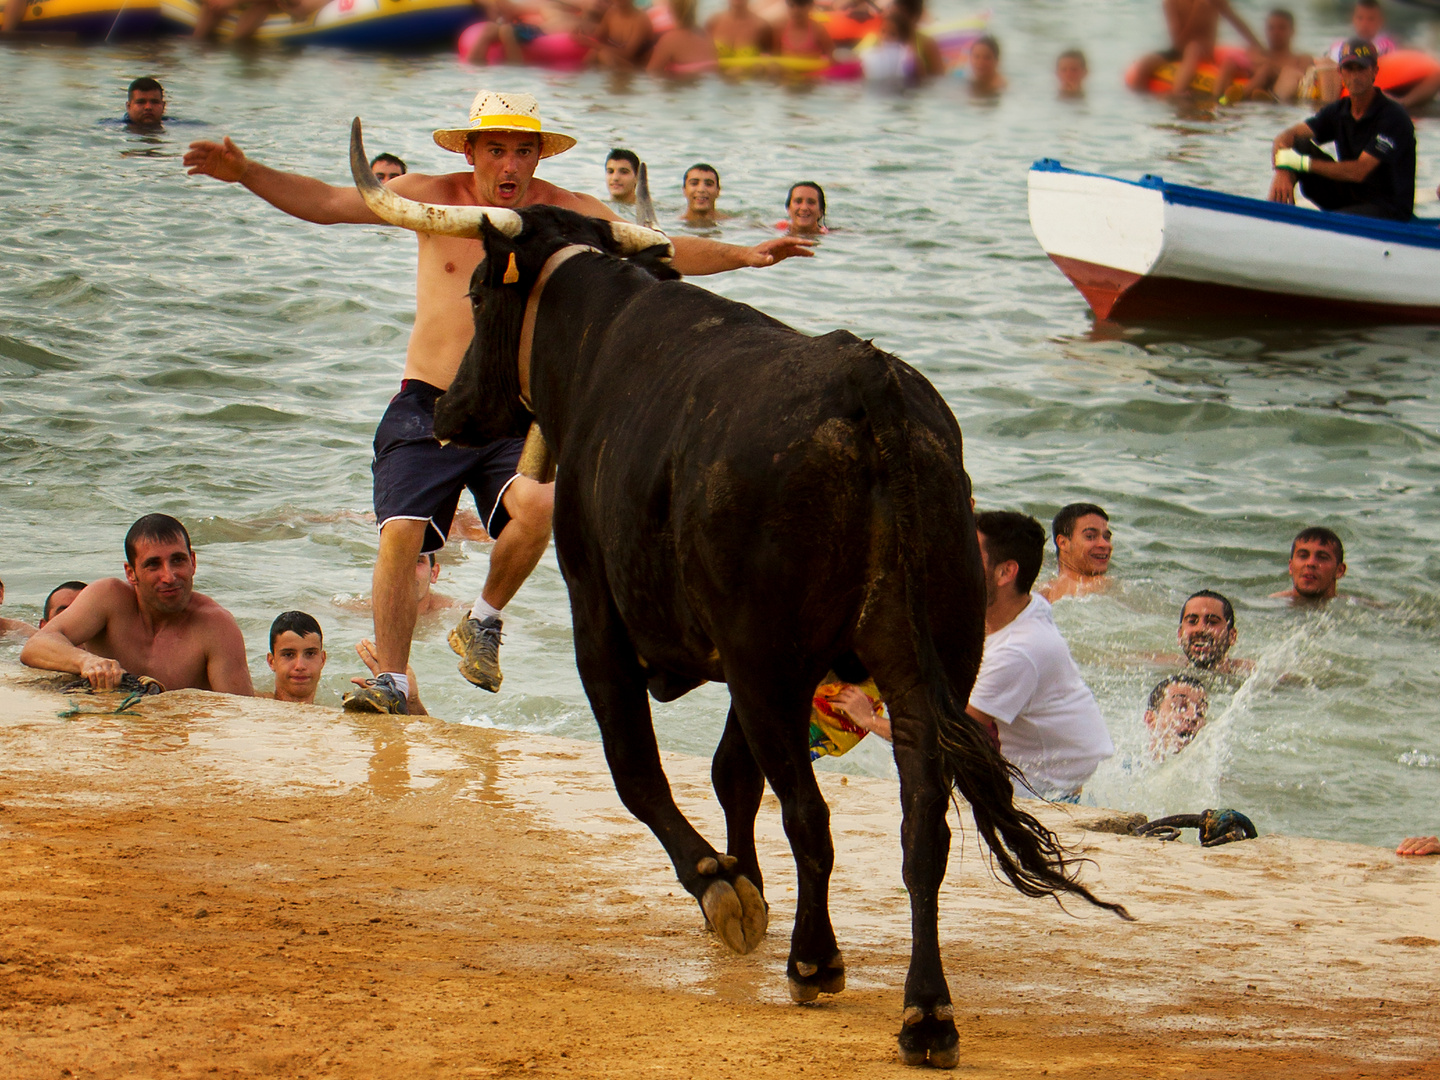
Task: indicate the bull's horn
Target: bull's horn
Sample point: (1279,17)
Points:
(644,207)
(422,217)
(634,239)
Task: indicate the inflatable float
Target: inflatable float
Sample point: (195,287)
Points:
(559,52)
(384,25)
(1399,71)
(93,19)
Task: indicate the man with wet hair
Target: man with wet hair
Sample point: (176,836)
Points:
(1207,633)
(1175,714)
(60,598)
(387,167)
(152,623)
(1082,552)
(701,188)
(622,173)
(296,656)
(1317,563)
(1029,693)
(145,103)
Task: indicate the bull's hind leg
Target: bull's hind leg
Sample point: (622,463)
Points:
(775,720)
(615,684)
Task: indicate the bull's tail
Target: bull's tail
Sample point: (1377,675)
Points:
(1029,855)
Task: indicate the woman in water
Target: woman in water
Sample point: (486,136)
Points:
(985,77)
(902,55)
(799,34)
(683,49)
(805,205)
(738,32)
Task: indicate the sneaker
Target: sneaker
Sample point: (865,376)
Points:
(477,644)
(378,695)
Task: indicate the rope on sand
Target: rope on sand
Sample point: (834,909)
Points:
(1216,827)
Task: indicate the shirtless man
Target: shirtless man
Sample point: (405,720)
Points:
(14,626)
(622,173)
(60,598)
(1175,713)
(1082,552)
(145,103)
(427,600)
(1277,70)
(623,38)
(1317,563)
(1207,633)
(1194,25)
(296,656)
(152,623)
(739,32)
(701,188)
(417,481)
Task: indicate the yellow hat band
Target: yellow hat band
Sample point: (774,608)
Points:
(530,123)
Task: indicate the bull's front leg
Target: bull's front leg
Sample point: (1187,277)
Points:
(928,1022)
(615,684)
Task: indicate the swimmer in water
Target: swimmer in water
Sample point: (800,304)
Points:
(805,205)
(738,32)
(1317,563)
(622,173)
(60,598)
(296,656)
(14,626)
(800,33)
(387,167)
(985,77)
(1070,72)
(701,188)
(1082,550)
(1207,633)
(145,104)
(1277,70)
(1194,26)
(1175,714)
(684,49)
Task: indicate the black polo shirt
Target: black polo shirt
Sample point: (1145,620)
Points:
(1384,132)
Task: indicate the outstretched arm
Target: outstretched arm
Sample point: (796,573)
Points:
(299,196)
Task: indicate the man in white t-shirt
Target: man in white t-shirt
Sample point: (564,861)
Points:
(1029,692)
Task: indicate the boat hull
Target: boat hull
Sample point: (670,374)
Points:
(1152,250)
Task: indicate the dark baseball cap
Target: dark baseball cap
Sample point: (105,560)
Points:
(1359,51)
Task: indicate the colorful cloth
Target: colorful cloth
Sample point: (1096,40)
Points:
(831,733)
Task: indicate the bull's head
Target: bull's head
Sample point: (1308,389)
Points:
(484,401)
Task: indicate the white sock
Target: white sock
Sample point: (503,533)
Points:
(481,610)
(402,682)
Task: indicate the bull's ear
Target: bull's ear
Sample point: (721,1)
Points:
(500,266)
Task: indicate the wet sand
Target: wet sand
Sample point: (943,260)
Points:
(216,887)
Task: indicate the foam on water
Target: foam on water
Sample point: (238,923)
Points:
(173,344)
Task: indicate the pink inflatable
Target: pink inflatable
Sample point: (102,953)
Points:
(558,51)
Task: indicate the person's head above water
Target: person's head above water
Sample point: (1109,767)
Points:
(504,142)
(1175,713)
(1082,539)
(1279,30)
(427,572)
(387,167)
(296,656)
(702,189)
(1012,547)
(1317,563)
(622,173)
(160,564)
(1207,628)
(1367,19)
(805,206)
(1070,72)
(985,60)
(145,102)
(60,598)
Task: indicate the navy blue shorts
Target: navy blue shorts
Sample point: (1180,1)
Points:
(419,480)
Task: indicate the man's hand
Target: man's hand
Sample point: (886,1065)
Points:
(782,247)
(224,161)
(1419,845)
(1282,187)
(1289,158)
(104,674)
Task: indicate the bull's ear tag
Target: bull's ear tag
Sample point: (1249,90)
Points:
(512,273)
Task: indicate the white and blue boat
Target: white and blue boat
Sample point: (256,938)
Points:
(1145,249)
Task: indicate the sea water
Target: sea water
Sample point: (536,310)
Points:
(171,343)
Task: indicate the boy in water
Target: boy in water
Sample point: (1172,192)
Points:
(1175,714)
(296,656)
(1082,550)
(1070,72)
(1194,26)
(622,173)
(701,188)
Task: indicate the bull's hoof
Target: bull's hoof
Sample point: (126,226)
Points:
(737,913)
(809,981)
(929,1038)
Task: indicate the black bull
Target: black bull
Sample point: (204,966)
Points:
(736,501)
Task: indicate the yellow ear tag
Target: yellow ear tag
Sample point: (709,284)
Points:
(512,274)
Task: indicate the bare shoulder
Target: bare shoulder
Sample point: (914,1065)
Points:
(109,593)
(447,189)
(210,616)
(544,193)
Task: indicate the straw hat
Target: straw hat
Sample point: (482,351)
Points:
(491,111)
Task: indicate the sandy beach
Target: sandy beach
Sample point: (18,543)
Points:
(224,887)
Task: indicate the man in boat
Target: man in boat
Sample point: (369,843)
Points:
(1082,552)
(1317,563)
(145,103)
(622,173)
(417,480)
(1374,139)
(1194,26)
(151,624)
